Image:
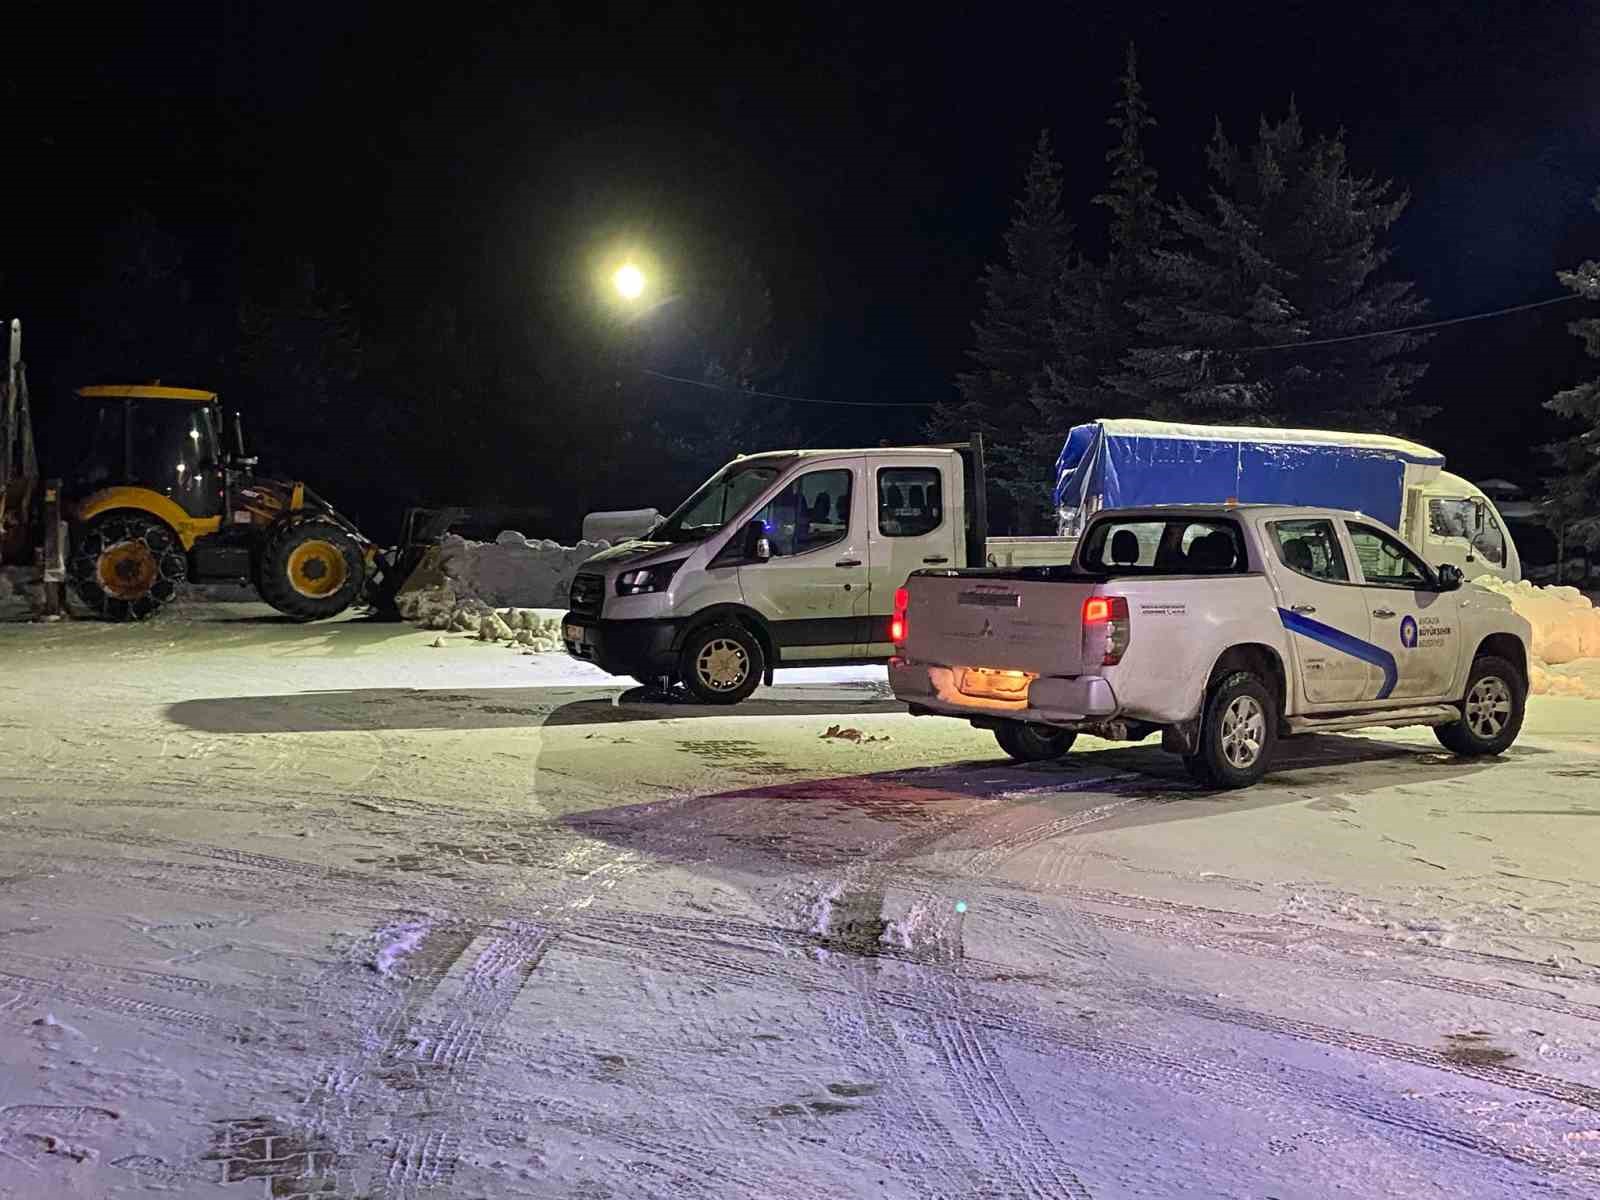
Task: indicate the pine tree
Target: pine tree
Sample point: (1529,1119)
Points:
(1015,343)
(1288,249)
(1574,497)
(1097,323)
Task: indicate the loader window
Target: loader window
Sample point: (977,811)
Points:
(173,444)
(105,460)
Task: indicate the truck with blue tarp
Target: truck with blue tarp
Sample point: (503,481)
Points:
(1136,463)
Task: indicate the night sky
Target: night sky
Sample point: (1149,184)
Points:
(477,155)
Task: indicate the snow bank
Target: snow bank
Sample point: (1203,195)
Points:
(1566,636)
(511,590)
(514,570)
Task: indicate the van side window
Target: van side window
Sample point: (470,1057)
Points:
(909,501)
(1449,517)
(1311,548)
(811,512)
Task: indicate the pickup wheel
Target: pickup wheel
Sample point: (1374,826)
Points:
(1237,731)
(722,663)
(1491,710)
(1027,742)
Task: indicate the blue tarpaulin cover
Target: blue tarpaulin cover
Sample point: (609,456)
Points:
(1133,463)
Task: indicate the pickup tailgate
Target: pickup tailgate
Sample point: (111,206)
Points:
(1004,621)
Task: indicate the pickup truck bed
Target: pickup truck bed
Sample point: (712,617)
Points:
(1300,619)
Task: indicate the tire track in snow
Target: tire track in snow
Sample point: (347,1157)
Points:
(930,1159)
(444,1049)
(1291,1085)
(1354,941)
(1244,943)
(1235,1085)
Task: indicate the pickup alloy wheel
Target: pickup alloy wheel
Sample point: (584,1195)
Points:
(1491,710)
(1237,733)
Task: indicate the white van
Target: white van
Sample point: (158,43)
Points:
(787,558)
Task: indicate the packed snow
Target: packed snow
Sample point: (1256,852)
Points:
(460,584)
(334,910)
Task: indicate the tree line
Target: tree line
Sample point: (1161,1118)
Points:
(1223,309)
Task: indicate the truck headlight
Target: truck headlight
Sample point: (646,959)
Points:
(653,578)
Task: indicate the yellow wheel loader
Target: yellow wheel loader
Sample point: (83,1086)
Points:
(157,501)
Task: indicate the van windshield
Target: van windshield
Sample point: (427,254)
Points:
(719,500)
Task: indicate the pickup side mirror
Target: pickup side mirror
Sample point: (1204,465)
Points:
(1449,577)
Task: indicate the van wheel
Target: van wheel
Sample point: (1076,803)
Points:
(1237,732)
(1028,742)
(722,663)
(1491,710)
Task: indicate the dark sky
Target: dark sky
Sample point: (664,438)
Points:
(866,160)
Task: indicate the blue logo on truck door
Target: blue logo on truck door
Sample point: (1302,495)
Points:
(1345,643)
(1408,632)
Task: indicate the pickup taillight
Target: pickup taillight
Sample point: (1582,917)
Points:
(897,623)
(1105,630)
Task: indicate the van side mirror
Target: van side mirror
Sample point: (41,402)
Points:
(1449,577)
(757,545)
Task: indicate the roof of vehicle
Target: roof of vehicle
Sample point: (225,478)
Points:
(877,450)
(1131,427)
(1232,510)
(144,391)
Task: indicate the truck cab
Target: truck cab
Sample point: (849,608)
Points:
(779,559)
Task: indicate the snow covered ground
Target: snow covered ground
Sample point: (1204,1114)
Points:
(331,911)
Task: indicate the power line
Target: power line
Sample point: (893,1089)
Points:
(717,387)
(1357,337)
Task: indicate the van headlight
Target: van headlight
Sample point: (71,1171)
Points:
(653,578)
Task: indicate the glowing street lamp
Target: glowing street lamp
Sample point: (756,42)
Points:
(629,281)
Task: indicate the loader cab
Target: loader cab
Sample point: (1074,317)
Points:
(162,438)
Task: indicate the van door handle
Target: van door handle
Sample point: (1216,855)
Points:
(1303,608)
(1383,612)
(848,562)
(936,558)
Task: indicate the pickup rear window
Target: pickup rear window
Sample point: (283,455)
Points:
(1163,546)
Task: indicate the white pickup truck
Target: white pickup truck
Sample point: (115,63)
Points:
(1221,627)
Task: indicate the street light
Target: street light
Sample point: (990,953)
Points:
(629,281)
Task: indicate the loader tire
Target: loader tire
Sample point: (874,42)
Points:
(311,570)
(126,565)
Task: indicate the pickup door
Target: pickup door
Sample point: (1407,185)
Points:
(1412,621)
(1323,606)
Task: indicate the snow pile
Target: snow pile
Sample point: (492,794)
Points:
(1566,636)
(514,570)
(460,585)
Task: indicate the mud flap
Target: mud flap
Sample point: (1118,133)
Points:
(1182,738)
